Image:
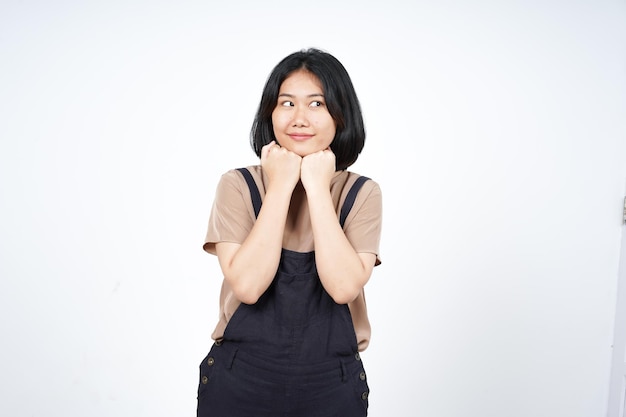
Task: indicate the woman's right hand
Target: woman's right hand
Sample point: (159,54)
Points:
(281,166)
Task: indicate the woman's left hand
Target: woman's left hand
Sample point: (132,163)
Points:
(317,170)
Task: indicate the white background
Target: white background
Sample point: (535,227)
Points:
(496,130)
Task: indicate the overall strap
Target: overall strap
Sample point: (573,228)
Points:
(254,190)
(347,204)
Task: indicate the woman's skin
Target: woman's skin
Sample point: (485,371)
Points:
(302,159)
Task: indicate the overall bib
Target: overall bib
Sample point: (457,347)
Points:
(291,354)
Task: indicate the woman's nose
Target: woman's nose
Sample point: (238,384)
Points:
(300,117)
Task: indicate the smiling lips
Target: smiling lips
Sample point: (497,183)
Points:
(299,137)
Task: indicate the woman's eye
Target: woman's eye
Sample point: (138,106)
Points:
(287,104)
(316,104)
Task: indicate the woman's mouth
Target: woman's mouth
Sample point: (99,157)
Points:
(300,136)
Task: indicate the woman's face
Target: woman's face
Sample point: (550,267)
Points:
(302,123)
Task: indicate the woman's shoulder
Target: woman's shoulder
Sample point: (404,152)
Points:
(234,179)
(349,178)
(235,174)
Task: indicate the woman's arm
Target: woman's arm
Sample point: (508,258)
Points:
(343,272)
(250,267)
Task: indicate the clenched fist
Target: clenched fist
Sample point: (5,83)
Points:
(281,166)
(317,170)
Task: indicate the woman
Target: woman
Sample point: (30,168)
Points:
(297,239)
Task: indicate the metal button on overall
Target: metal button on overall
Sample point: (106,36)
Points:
(205,379)
(362,376)
(210,361)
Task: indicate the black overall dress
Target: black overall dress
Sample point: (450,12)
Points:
(291,354)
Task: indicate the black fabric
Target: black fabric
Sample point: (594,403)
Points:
(349,202)
(254,190)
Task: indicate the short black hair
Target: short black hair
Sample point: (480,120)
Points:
(341,101)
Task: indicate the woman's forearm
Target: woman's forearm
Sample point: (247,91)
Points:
(250,267)
(343,272)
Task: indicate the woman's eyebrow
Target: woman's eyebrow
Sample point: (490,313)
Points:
(309,96)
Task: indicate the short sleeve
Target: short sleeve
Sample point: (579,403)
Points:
(364,223)
(232,215)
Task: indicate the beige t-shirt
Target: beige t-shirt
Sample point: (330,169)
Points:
(232,218)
